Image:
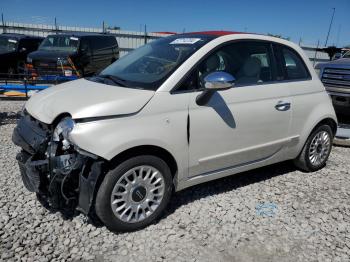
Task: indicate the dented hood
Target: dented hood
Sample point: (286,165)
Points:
(85,99)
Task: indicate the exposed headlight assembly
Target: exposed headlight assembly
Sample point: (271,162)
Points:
(62,131)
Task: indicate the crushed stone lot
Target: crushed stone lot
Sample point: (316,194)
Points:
(275,213)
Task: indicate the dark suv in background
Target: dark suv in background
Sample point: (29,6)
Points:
(78,54)
(14,49)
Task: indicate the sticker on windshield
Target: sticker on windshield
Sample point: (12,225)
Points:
(74,38)
(185,41)
(12,41)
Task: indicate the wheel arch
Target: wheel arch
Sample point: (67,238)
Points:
(146,150)
(327,121)
(302,161)
(123,156)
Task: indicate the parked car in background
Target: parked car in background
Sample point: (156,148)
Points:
(80,54)
(14,49)
(335,75)
(179,111)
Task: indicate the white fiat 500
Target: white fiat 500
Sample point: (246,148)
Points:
(176,112)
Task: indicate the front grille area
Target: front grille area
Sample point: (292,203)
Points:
(43,68)
(31,134)
(335,77)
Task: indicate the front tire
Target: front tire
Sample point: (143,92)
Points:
(316,150)
(134,194)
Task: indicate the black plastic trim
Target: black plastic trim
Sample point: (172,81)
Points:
(87,187)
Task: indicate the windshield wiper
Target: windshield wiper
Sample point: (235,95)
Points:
(114,79)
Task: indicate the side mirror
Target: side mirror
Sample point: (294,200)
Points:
(219,81)
(215,81)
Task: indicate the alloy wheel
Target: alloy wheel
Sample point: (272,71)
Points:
(137,194)
(319,148)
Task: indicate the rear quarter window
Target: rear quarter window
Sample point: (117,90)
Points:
(293,65)
(111,41)
(102,42)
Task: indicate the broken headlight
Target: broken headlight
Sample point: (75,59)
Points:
(62,131)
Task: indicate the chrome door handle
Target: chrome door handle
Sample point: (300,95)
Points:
(282,106)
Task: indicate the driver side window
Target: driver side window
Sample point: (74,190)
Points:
(249,62)
(195,80)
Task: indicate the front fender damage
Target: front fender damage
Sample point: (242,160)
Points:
(62,178)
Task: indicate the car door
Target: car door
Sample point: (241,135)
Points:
(246,124)
(102,54)
(84,61)
(95,59)
(111,50)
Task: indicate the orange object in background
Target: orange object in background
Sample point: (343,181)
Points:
(15,94)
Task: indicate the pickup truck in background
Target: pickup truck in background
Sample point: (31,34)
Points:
(335,76)
(73,55)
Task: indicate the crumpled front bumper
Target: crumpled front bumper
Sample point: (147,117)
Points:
(62,179)
(33,138)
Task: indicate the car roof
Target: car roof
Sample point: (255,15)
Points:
(214,33)
(205,34)
(21,36)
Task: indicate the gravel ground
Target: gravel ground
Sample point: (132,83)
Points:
(271,214)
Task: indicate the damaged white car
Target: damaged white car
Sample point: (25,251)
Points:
(176,112)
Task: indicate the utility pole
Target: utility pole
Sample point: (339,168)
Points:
(3,23)
(56,28)
(315,57)
(145,34)
(330,27)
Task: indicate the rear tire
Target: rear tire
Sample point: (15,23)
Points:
(130,198)
(316,150)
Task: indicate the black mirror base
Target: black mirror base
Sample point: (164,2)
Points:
(204,97)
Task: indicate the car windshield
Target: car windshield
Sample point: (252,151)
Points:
(347,55)
(60,43)
(8,44)
(150,65)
